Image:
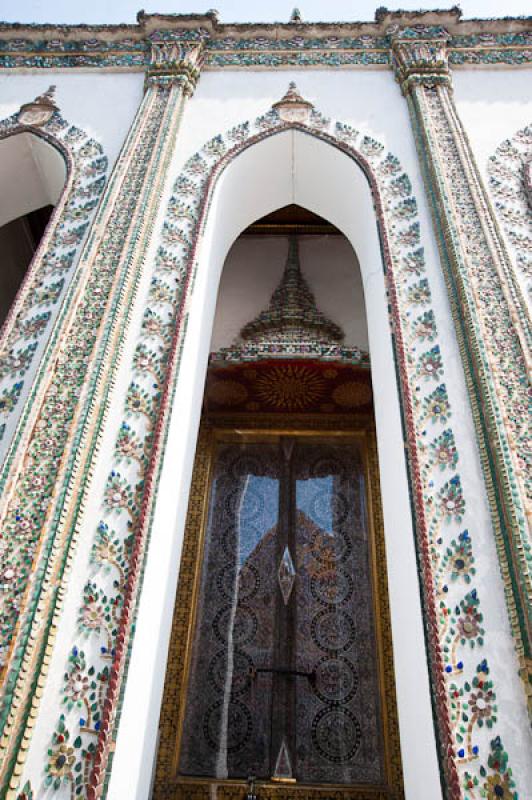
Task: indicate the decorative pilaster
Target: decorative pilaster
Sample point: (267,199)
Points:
(45,495)
(489,311)
(421,62)
(175,60)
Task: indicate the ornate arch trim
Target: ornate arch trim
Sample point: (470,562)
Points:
(37,305)
(510,183)
(98,660)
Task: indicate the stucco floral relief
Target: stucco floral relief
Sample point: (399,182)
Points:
(475,765)
(50,273)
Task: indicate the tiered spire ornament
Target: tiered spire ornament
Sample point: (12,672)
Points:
(291,326)
(292,315)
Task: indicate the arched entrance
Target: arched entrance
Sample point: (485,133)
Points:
(232,181)
(35,173)
(280,661)
(53,175)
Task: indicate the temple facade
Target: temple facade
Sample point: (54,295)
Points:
(264,409)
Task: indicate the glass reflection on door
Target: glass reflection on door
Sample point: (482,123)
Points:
(283,679)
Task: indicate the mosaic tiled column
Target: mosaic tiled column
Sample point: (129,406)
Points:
(488,308)
(42,504)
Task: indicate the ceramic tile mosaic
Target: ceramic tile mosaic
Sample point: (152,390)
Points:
(491,317)
(291,326)
(43,534)
(37,305)
(509,183)
(445,550)
(474,761)
(291,45)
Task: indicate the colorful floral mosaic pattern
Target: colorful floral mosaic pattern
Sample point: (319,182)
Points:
(359,47)
(466,696)
(50,273)
(508,171)
(493,327)
(41,537)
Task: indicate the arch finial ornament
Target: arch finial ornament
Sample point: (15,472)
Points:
(292,107)
(453,616)
(40,110)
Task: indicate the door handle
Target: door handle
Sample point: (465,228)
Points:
(254,672)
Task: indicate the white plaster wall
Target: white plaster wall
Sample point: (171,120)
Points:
(32,175)
(254,266)
(102,104)
(260,180)
(493,105)
(44,157)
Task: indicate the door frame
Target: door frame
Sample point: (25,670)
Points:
(169,785)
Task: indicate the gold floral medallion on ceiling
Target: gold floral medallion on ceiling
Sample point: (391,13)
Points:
(290,386)
(279,386)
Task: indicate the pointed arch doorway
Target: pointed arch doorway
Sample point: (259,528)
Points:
(280,662)
(361,192)
(35,172)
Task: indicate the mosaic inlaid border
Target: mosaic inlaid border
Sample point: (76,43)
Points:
(41,510)
(128,47)
(493,329)
(53,267)
(464,697)
(508,170)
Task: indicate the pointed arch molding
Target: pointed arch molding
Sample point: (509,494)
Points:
(51,275)
(439,511)
(510,183)
(81,743)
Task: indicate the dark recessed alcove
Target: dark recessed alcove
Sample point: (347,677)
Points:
(291,219)
(19,240)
